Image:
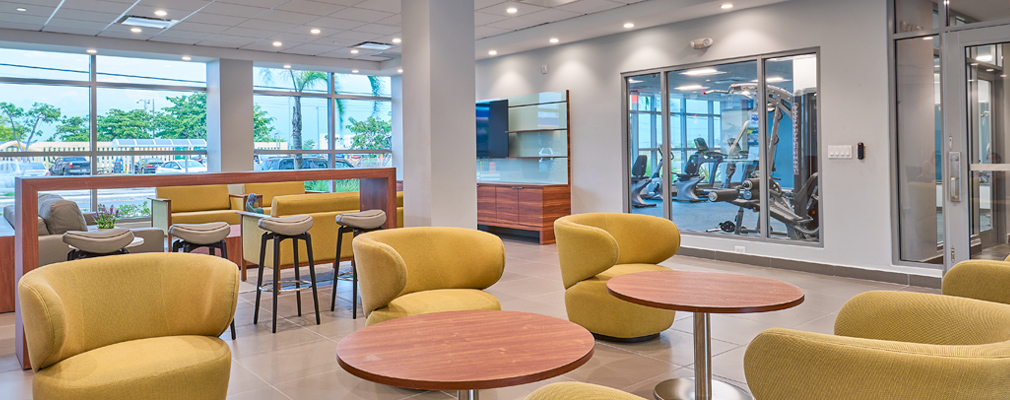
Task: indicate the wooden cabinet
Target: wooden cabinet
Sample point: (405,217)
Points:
(525,207)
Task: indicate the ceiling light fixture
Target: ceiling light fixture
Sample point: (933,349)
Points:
(354,51)
(354,71)
(989,70)
(91,51)
(136,30)
(397,40)
(629,25)
(690,87)
(511,10)
(554,40)
(21,9)
(702,72)
(287,66)
(373,46)
(315,31)
(726,6)
(399,71)
(160,13)
(147,22)
(187,58)
(278,44)
(493,52)
(984,58)
(927,38)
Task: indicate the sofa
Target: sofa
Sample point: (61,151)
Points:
(323,208)
(196,204)
(268,191)
(58,216)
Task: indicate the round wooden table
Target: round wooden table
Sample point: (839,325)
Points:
(703,293)
(465,350)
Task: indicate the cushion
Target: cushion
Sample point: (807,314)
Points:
(202,217)
(208,233)
(9,215)
(196,198)
(589,304)
(288,226)
(431,301)
(579,391)
(174,367)
(99,242)
(368,219)
(313,203)
(61,215)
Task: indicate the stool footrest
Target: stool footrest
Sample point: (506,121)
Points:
(293,285)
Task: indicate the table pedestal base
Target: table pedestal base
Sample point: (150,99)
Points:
(467,394)
(683,389)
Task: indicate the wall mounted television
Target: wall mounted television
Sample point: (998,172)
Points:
(492,129)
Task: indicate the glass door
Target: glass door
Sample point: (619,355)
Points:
(976,164)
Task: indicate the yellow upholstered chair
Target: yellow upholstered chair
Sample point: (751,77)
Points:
(268,191)
(596,247)
(979,279)
(412,271)
(889,346)
(579,391)
(198,204)
(136,326)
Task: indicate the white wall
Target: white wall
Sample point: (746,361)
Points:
(852,37)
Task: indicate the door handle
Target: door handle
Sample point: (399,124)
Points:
(954,166)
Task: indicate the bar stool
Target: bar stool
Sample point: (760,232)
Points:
(356,223)
(88,244)
(189,237)
(278,228)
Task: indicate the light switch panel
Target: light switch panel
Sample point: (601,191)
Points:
(839,152)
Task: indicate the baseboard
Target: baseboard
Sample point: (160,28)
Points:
(844,271)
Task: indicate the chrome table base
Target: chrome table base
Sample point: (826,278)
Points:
(467,394)
(683,389)
(702,387)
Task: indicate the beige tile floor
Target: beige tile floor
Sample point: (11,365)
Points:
(299,362)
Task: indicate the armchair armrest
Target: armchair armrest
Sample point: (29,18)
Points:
(251,236)
(237,201)
(783,364)
(385,277)
(315,191)
(161,214)
(923,318)
(979,279)
(584,251)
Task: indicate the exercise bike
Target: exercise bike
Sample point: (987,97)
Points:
(687,183)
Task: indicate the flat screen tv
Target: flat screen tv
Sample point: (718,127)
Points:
(492,129)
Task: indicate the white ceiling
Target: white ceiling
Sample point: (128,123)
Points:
(256,24)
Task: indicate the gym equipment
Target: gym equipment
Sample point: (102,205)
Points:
(639,181)
(687,183)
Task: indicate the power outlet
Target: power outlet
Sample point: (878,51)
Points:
(739,249)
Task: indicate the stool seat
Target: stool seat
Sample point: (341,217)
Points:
(364,220)
(287,226)
(201,234)
(99,242)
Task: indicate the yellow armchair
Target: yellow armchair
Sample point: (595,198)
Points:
(593,248)
(196,204)
(130,326)
(414,271)
(579,391)
(889,345)
(979,279)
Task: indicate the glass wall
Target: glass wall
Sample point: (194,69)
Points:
(727,177)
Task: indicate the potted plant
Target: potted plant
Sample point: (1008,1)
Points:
(106,217)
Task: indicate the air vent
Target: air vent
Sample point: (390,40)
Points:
(145,22)
(372,46)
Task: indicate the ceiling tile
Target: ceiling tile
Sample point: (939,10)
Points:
(186,26)
(70,30)
(373,58)
(251,33)
(486,31)
(23,19)
(293,37)
(8,8)
(479,4)
(351,35)
(80,25)
(255,3)
(378,29)
(590,6)
(310,7)
(341,2)
(266,25)
(336,24)
(390,6)
(184,5)
(20,26)
(515,23)
(233,10)
(523,9)
(288,17)
(39,3)
(310,49)
(148,11)
(481,19)
(123,31)
(91,5)
(90,16)
(227,41)
(215,19)
(551,15)
(359,14)
(262,45)
(392,21)
(196,36)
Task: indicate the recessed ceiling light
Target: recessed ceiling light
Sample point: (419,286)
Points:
(287,66)
(511,10)
(1002,76)
(354,51)
(91,51)
(974,64)
(147,22)
(354,71)
(187,58)
(689,87)
(315,31)
(554,40)
(397,40)
(629,25)
(136,30)
(493,52)
(702,72)
(726,6)
(984,58)
(278,44)
(927,38)
(21,9)
(400,71)
(989,70)
(160,13)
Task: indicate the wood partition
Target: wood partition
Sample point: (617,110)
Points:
(378,191)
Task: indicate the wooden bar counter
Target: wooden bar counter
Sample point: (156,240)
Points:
(378,191)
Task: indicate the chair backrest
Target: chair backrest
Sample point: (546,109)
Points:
(589,244)
(638,170)
(979,279)
(195,198)
(269,190)
(313,203)
(395,262)
(73,307)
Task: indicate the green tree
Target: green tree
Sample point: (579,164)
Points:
(133,124)
(372,133)
(25,124)
(186,118)
(300,81)
(263,126)
(73,129)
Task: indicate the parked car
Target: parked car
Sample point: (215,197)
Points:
(288,163)
(147,165)
(71,166)
(180,167)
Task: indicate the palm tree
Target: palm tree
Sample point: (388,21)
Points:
(300,80)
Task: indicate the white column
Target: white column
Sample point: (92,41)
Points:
(439,161)
(396,141)
(230,115)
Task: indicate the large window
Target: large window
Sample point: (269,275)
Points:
(312,119)
(742,147)
(80,114)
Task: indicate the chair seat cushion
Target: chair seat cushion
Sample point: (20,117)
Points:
(368,219)
(288,226)
(173,367)
(203,217)
(208,233)
(589,304)
(430,301)
(579,391)
(99,242)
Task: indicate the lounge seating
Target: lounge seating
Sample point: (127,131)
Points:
(889,345)
(979,279)
(579,391)
(268,191)
(413,271)
(593,248)
(192,205)
(130,327)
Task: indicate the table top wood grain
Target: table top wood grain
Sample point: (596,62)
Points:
(462,350)
(705,292)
